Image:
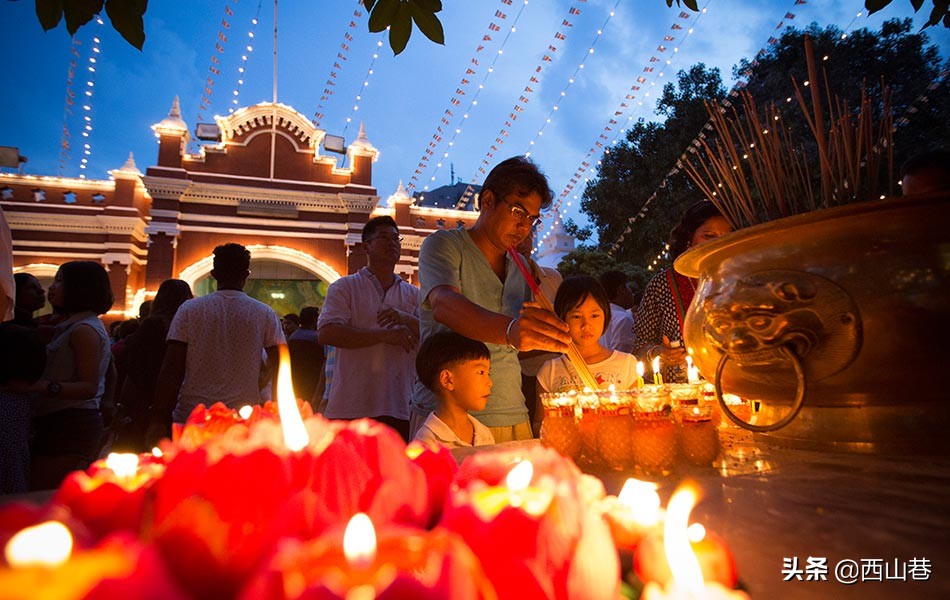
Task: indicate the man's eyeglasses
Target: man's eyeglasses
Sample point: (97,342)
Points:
(521,214)
(388,238)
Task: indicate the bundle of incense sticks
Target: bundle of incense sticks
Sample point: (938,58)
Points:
(572,353)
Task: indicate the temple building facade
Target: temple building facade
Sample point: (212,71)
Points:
(264,183)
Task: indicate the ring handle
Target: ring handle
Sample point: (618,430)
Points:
(788,418)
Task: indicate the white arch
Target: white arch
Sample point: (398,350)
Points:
(199,269)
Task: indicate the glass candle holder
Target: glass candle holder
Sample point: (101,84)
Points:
(683,395)
(588,407)
(698,436)
(614,433)
(652,431)
(559,429)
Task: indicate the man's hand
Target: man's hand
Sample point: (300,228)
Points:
(400,336)
(539,329)
(390,317)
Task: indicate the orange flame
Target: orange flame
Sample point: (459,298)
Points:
(679,553)
(295,434)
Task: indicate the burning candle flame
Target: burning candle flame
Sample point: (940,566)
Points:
(295,434)
(642,500)
(359,541)
(656,365)
(124,465)
(679,553)
(519,477)
(245,412)
(641,369)
(696,533)
(157,452)
(48,544)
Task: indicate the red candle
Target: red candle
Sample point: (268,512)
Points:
(537,537)
(394,562)
(42,563)
(110,495)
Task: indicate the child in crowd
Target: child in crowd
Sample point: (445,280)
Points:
(456,369)
(582,303)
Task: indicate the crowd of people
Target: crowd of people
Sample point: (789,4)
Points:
(461,360)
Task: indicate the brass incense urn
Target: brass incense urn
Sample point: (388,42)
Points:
(834,320)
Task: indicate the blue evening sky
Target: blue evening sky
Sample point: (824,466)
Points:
(406,96)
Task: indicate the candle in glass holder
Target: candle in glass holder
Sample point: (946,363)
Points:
(614,444)
(652,431)
(698,437)
(559,428)
(657,374)
(641,370)
(589,405)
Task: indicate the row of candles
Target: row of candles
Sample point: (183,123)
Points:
(645,428)
(268,503)
(692,372)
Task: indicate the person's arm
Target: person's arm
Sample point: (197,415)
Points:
(534,329)
(270,369)
(84,343)
(109,392)
(346,336)
(390,316)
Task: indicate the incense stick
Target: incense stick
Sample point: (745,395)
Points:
(573,354)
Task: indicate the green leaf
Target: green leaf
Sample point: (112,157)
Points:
(432,6)
(875,5)
(428,24)
(401,29)
(383,15)
(126,17)
(49,12)
(917,4)
(80,12)
(692,5)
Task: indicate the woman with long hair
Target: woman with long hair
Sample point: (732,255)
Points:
(145,353)
(659,320)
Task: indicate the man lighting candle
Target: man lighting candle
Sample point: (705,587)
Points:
(469,285)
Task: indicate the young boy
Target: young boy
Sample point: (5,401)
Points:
(456,369)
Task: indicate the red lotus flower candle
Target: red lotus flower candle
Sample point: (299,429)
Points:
(42,563)
(394,562)
(633,513)
(110,495)
(537,537)
(685,561)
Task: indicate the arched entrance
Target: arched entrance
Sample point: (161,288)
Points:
(283,278)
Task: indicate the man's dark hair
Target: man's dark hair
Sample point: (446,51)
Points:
(309,316)
(613,281)
(376,223)
(172,293)
(86,286)
(291,317)
(443,350)
(231,261)
(518,176)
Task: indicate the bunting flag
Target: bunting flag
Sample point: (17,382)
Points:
(560,36)
(65,147)
(220,45)
(610,130)
(342,55)
(465,91)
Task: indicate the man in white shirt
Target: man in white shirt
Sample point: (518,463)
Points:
(370,318)
(619,335)
(215,343)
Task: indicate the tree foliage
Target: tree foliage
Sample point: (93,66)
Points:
(591,261)
(631,172)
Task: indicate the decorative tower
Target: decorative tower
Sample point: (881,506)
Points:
(361,155)
(555,246)
(172,134)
